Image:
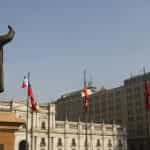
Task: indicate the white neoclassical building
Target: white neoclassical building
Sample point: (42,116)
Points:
(46,133)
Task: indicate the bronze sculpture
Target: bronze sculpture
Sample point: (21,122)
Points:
(4,39)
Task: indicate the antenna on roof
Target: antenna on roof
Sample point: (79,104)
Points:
(144,71)
(131,74)
(84,75)
(90,82)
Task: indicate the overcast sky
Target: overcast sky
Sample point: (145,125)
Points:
(57,39)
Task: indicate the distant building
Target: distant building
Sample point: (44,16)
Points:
(124,105)
(50,134)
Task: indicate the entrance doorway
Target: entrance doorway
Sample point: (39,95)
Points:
(22,145)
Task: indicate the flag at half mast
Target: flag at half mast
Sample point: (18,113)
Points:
(86,92)
(26,84)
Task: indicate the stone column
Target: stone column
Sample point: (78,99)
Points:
(66,127)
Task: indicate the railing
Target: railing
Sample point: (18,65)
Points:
(60,125)
(73,126)
(92,128)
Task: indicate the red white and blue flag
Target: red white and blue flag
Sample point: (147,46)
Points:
(85,94)
(27,84)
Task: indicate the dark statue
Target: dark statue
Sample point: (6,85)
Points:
(4,39)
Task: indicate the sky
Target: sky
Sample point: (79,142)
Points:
(56,40)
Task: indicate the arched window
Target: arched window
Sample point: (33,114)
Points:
(109,143)
(73,142)
(119,143)
(98,144)
(43,126)
(141,146)
(22,145)
(59,143)
(42,143)
(86,143)
(1,146)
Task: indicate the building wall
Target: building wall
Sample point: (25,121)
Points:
(124,105)
(105,105)
(108,136)
(7,139)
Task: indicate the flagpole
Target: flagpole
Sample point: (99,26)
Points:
(48,126)
(31,130)
(27,116)
(86,116)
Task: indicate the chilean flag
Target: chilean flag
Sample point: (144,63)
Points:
(85,93)
(27,84)
(32,98)
(147,94)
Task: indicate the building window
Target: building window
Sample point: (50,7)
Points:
(1,146)
(86,143)
(120,143)
(73,142)
(109,143)
(43,126)
(42,143)
(59,143)
(22,145)
(98,143)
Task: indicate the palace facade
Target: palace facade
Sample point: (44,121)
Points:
(46,133)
